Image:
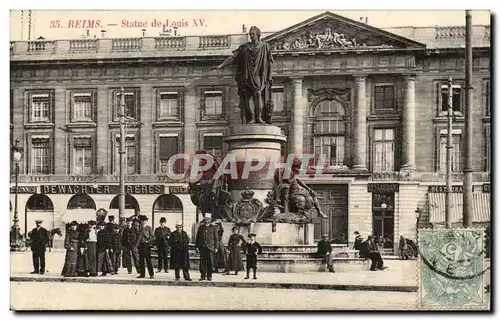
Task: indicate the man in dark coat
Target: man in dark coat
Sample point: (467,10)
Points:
(104,248)
(207,242)
(129,242)
(39,240)
(117,248)
(162,237)
(179,252)
(145,241)
(361,245)
(374,255)
(325,252)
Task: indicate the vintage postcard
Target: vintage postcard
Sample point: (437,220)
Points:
(250,160)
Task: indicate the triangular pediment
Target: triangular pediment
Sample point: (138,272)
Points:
(331,32)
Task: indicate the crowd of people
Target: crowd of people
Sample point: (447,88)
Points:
(100,247)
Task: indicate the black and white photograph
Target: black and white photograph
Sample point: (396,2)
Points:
(314,160)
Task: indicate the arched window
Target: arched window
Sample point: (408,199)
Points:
(330,132)
(170,207)
(39,202)
(130,203)
(81,201)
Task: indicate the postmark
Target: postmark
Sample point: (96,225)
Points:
(451,269)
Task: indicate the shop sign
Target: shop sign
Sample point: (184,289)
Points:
(177,190)
(442,189)
(383,187)
(102,189)
(23,189)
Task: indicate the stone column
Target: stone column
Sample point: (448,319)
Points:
(190,109)
(360,125)
(409,125)
(298,115)
(146,131)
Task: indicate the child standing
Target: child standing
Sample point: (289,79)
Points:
(253,249)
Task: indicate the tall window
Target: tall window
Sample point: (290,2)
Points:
(455,153)
(169,105)
(213,103)
(130,155)
(40,156)
(384,96)
(131,103)
(40,107)
(383,150)
(82,106)
(169,146)
(278,96)
(212,143)
(457,100)
(82,156)
(486,97)
(329,132)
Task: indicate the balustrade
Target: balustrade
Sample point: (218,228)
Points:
(167,43)
(214,41)
(127,44)
(41,46)
(83,45)
(450,32)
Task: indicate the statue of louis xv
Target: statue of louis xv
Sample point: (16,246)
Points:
(253,62)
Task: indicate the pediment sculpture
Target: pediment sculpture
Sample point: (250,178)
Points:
(327,38)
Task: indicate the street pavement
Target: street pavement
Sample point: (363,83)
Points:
(400,276)
(82,296)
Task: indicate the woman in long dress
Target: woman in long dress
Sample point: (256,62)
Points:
(220,261)
(235,244)
(82,261)
(71,246)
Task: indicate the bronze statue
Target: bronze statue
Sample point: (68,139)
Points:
(253,62)
(294,197)
(208,191)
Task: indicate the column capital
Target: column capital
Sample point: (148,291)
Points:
(296,79)
(410,77)
(360,77)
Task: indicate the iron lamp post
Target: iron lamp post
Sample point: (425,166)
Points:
(15,234)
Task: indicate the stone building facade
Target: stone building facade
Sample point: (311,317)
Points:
(373,101)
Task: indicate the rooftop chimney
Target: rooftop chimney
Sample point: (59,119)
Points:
(143,32)
(243,29)
(103,32)
(88,33)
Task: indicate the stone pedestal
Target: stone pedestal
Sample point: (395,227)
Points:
(284,234)
(248,145)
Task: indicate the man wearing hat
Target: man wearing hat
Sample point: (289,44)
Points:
(92,248)
(325,252)
(111,219)
(145,240)
(162,238)
(253,249)
(129,242)
(39,239)
(374,255)
(207,242)
(179,252)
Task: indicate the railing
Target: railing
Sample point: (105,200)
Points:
(41,46)
(97,179)
(214,42)
(169,43)
(83,45)
(450,32)
(127,44)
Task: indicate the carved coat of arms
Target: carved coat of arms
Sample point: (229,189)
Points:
(247,210)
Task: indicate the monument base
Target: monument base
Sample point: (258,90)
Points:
(283,234)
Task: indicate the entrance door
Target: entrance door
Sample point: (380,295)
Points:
(334,205)
(383,217)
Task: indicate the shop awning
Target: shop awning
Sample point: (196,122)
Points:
(480,207)
(78,215)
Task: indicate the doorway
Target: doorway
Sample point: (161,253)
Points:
(383,217)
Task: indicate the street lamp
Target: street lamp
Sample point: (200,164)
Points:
(15,234)
(418,213)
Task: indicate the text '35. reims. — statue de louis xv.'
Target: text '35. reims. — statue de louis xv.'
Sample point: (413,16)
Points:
(253,62)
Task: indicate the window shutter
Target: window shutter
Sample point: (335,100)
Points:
(52,105)
(93,100)
(158,104)
(137,107)
(30,105)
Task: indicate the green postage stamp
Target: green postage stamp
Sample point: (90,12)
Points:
(451,269)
